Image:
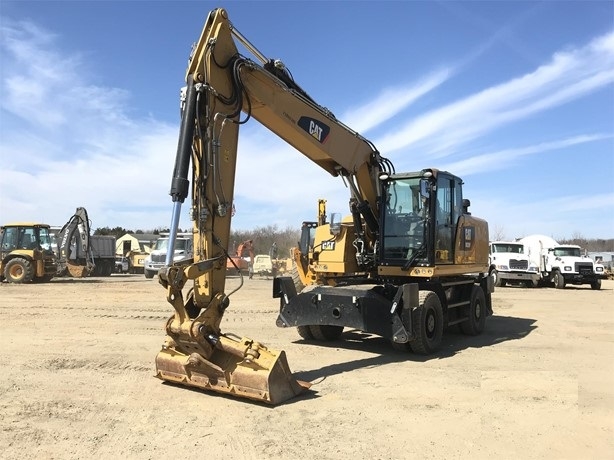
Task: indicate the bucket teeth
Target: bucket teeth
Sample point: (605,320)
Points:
(262,376)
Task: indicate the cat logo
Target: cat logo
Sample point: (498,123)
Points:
(328,246)
(316,129)
(468,238)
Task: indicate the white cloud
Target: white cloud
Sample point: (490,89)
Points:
(73,143)
(503,158)
(570,75)
(392,101)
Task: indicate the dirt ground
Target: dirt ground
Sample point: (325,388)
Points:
(77,366)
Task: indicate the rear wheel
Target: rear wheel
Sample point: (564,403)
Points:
(477,313)
(428,321)
(19,270)
(559,281)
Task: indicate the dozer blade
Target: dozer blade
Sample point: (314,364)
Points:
(259,374)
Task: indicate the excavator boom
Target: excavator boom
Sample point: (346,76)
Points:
(221,86)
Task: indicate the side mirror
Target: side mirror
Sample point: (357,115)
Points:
(335,223)
(466,204)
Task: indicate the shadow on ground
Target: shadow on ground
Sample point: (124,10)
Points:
(499,329)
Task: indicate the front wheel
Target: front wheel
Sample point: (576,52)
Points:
(19,270)
(428,321)
(496,277)
(559,280)
(149,274)
(596,285)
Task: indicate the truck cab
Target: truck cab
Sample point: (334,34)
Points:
(567,265)
(183,253)
(509,264)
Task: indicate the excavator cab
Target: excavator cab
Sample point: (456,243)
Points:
(419,216)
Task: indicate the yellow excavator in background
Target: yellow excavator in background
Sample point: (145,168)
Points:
(407,262)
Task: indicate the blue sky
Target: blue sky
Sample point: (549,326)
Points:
(515,97)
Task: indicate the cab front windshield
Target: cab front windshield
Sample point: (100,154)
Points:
(26,238)
(162,244)
(404,216)
(513,248)
(567,252)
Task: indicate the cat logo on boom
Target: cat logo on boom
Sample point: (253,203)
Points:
(316,129)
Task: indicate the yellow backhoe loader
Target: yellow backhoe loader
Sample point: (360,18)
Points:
(408,261)
(25,253)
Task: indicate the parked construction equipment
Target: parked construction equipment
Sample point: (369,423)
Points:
(26,254)
(409,261)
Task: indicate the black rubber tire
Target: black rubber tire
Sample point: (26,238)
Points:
(149,274)
(326,332)
(477,313)
(596,285)
(428,324)
(496,277)
(305,332)
(559,280)
(19,270)
(296,279)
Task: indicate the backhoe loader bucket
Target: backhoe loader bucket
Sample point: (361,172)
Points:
(77,271)
(238,367)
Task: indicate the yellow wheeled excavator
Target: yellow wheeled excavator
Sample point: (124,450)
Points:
(407,262)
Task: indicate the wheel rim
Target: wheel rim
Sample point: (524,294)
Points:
(430,324)
(478,310)
(16,272)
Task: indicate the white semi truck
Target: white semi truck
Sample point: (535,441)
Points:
(562,264)
(184,252)
(510,264)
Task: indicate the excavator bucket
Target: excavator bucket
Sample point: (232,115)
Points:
(240,368)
